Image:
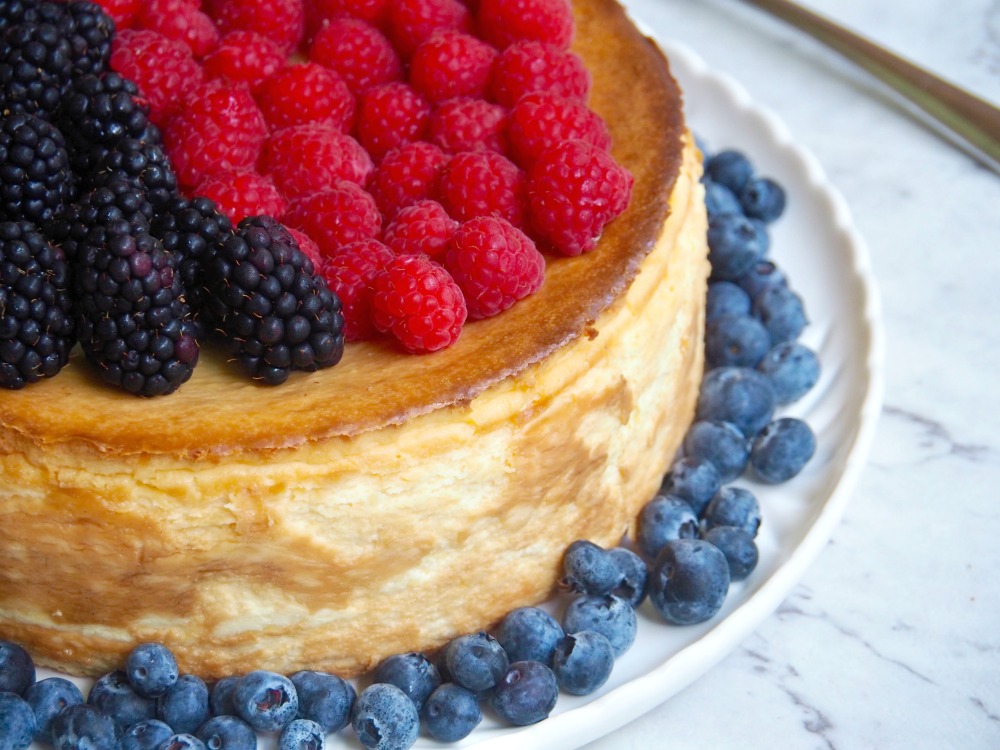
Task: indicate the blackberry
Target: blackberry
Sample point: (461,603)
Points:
(265,300)
(86,223)
(36,322)
(90,31)
(144,165)
(14,12)
(35,67)
(35,177)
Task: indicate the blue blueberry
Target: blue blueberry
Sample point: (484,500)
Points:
(793,369)
(324,698)
(302,734)
(583,662)
(113,695)
(730,168)
(782,449)
(720,444)
(476,661)
(733,506)
(47,698)
(587,568)
(634,576)
(608,615)
(267,701)
(526,693)
(692,480)
(663,519)
(763,198)
(412,673)
(384,718)
(725,298)
(17,722)
(735,341)
(220,697)
(17,670)
(781,312)
(227,733)
(689,581)
(762,276)
(151,668)
(735,245)
(185,704)
(738,395)
(148,734)
(182,741)
(451,713)
(529,634)
(83,727)
(721,200)
(739,548)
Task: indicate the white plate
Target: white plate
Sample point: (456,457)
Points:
(827,263)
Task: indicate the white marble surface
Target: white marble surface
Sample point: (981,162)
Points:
(892,639)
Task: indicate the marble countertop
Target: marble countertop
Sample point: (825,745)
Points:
(892,638)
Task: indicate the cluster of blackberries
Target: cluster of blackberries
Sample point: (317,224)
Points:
(98,246)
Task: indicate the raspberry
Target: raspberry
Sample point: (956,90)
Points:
(337,216)
(308,246)
(239,193)
(372,11)
(123,12)
(469,125)
(541,120)
(412,21)
(221,128)
(449,64)
(494,263)
(350,272)
(574,190)
(306,93)
(424,227)
(389,116)
(526,67)
(181,20)
(244,57)
(504,22)
(162,68)
(483,183)
(309,158)
(407,175)
(283,21)
(418,302)
(358,52)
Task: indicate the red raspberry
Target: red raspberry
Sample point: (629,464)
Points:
(183,21)
(449,64)
(244,57)
(336,216)
(483,183)
(407,175)
(308,245)
(318,11)
(280,20)
(125,13)
(541,120)
(239,193)
(358,52)
(503,22)
(308,158)
(526,67)
(412,21)
(162,68)
(418,302)
(469,125)
(350,273)
(306,93)
(494,263)
(220,128)
(574,190)
(425,227)
(390,116)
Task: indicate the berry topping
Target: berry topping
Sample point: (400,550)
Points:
(282,21)
(244,57)
(663,519)
(35,66)
(384,718)
(350,273)
(693,480)
(689,581)
(266,701)
(738,395)
(412,21)
(412,673)
(406,176)
(308,158)
(151,669)
(184,705)
(782,449)
(476,661)
(358,52)
(483,183)
(123,12)
(739,548)
(583,662)
(318,11)
(735,245)
(225,732)
(733,506)
(503,22)
(239,193)
(306,93)
(339,215)
(391,115)
(89,30)
(450,63)
(526,693)
(526,67)
(793,370)
(424,227)
(465,124)
(301,734)
(47,698)
(324,698)
(451,713)
(183,21)
(735,341)
(540,121)
(143,165)
(35,178)
(529,633)
(17,721)
(162,68)
(113,695)
(82,724)
(17,669)
(719,443)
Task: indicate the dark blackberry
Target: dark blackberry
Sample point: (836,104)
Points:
(35,67)
(36,322)
(90,31)
(86,223)
(144,165)
(267,303)
(14,12)
(35,177)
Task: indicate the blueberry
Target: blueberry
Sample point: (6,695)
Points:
(451,713)
(267,701)
(725,298)
(148,734)
(529,634)
(17,670)
(526,693)
(634,576)
(692,480)
(738,395)
(47,698)
(793,369)
(663,519)
(220,697)
(720,444)
(608,615)
(721,200)
(730,168)
(182,741)
(384,718)
(781,449)
(763,198)
(412,673)
(151,668)
(781,312)
(17,722)
(739,548)
(83,727)
(113,695)
(735,245)
(735,341)
(583,662)
(185,704)
(762,276)
(689,581)
(476,661)
(587,568)
(302,734)
(733,506)
(227,733)
(324,698)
